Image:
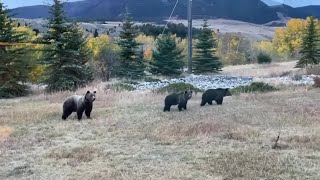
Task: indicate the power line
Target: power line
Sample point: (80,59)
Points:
(170,17)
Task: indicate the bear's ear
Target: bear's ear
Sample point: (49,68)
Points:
(88,92)
(94,91)
(186,92)
(191,91)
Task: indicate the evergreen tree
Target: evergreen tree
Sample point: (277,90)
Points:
(96,34)
(205,60)
(310,46)
(14,62)
(65,56)
(167,58)
(131,65)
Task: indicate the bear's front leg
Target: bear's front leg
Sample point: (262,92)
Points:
(79,113)
(219,101)
(88,111)
(180,106)
(184,106)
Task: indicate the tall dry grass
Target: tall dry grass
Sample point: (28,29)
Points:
(264,70)
(130,137)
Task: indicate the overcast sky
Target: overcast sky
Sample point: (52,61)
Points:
(19,3)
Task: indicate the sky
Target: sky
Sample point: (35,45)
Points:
(19,3)
(298,3)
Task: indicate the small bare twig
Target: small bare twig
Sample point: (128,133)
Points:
(275,146)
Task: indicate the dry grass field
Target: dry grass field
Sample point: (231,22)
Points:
(263,70)
(129,137)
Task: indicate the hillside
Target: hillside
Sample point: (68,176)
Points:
(254,11)
(252,31)
(311,10)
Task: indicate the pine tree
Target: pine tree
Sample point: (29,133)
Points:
(205,60)
(167,58)
(310,46)
(96,33)
(65,57)
(14,62)
(130,63)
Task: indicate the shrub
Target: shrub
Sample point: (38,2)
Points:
(150,79)
(118,87)
(178,87)
(254,87)
(316,81)
(315,70)
(264,58)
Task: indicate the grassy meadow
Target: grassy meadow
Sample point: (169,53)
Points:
(129,137)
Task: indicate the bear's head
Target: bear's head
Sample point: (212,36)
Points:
(187,95)
(227,92)
(90,96)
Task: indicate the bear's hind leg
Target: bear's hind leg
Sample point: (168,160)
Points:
(203,103)
(166,108)
(66,114)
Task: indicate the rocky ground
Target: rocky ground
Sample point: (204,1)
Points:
(205,82)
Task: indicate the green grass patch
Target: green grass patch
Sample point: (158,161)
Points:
(254,87)
(118,87)
(178,87)
(150,79)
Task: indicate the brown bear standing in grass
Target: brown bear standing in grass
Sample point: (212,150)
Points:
(180,99)
(79,104)
(214,95)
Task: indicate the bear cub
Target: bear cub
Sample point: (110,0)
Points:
(79,104)
(214,95)
(180,99)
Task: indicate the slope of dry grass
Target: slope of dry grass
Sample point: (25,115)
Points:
(263,70)
(130,137)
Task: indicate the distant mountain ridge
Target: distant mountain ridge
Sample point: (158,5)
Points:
(253,11)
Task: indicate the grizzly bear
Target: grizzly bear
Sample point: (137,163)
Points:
(214,95)
(180,99)
(79,104)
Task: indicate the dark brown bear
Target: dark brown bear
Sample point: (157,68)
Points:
(214,95)
(79,104)
(180,99)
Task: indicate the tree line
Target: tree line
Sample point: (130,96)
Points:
(63,58)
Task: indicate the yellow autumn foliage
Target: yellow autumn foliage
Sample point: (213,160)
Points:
(148,44)
(288,40)
(95,45)
(265,46)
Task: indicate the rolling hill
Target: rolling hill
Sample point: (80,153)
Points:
(253,11)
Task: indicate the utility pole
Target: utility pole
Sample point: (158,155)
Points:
(190,36)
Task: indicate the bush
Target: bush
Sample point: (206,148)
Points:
(316,81)
(119,87)
(178,87)
(315,70)
(264,58)
(150,79)
(254,87)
